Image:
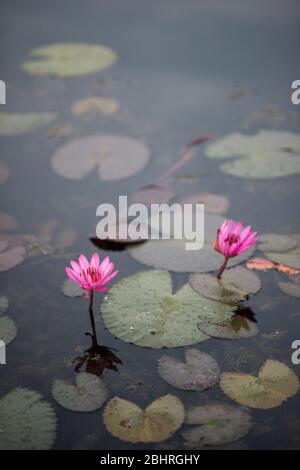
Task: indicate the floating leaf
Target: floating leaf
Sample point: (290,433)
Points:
(268,154)
(283,268)
(239,326)
(261,264)
(235,285)
(115,157)
(27,421)
(291,288)
(69,59)
(214,203)
(153,194)
(173,256)
(36,246)
(216,424)
(60,132)
(199,372)
(89,394)
(290,258)
(3,304)
(276,243)
(10,254)
(99,104)
(275,383)
(158,422)
(8,329)
(71,289)
(4,170)
(142,309)
(7,222)
(20,123)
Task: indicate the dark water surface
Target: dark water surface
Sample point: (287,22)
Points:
(178,63)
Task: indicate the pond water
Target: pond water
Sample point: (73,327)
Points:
(184,69)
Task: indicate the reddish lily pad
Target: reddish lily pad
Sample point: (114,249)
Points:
(12,253)
(153,194)
(4,172)
(199,372)
(115,157)
(214,203)
(7,222)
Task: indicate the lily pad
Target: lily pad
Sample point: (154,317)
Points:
(290,258)
(8,329)
(235,285)
(21,123)
(89,394)
(115,157)
(216,424)
(238,326)
(71,289)
(10,255)
(69,59)
(28,422)
(143,310)
(7,222)
(158,422)
(214,203)
(3,304)
(276,243)
(98,104)
(4,172)
(291,288)
(268,154)
(153,194)
(275,383)
(261,264)
(60,131)
(173,256)
(199,372)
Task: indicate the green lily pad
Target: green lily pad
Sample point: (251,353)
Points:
(4,303)
(173,256)
(236,284)
(143,310)
(268,154)
(28,422)
(275,383)
(115,157)
(199,372)
(276,243)
(158,422)
(69,59)
(237,327)
(71,289)
(216,424)
(8,329)
(290,258)
(291,288)
(89,394)
(21,123)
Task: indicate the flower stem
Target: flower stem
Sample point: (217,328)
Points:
(94,336)
(222,268)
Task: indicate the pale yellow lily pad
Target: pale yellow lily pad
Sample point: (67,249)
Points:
(21,123)
(158,422)
(274,384)
(95,104)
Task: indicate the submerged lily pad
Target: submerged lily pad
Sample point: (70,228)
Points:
(268,154)
(275,383)
(8,329)
(69,59)
(143,310)
(158,422)
(291,288)
(115,157)
(7,222)
(89,394)
(3,304)
(12,253)
(238,326)
(216,424)
(199,372)
(99,104)
(153,194)
(235,285)
(290,258)
(4,172)
(214,203)
(28,422)
(173,256)
(276,243)
(71,289)
(20,123)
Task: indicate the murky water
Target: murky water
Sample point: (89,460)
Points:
(178,64)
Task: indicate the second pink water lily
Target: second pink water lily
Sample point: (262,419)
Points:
(91,275)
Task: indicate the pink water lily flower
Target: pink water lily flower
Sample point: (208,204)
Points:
(91,275)
(233,239)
